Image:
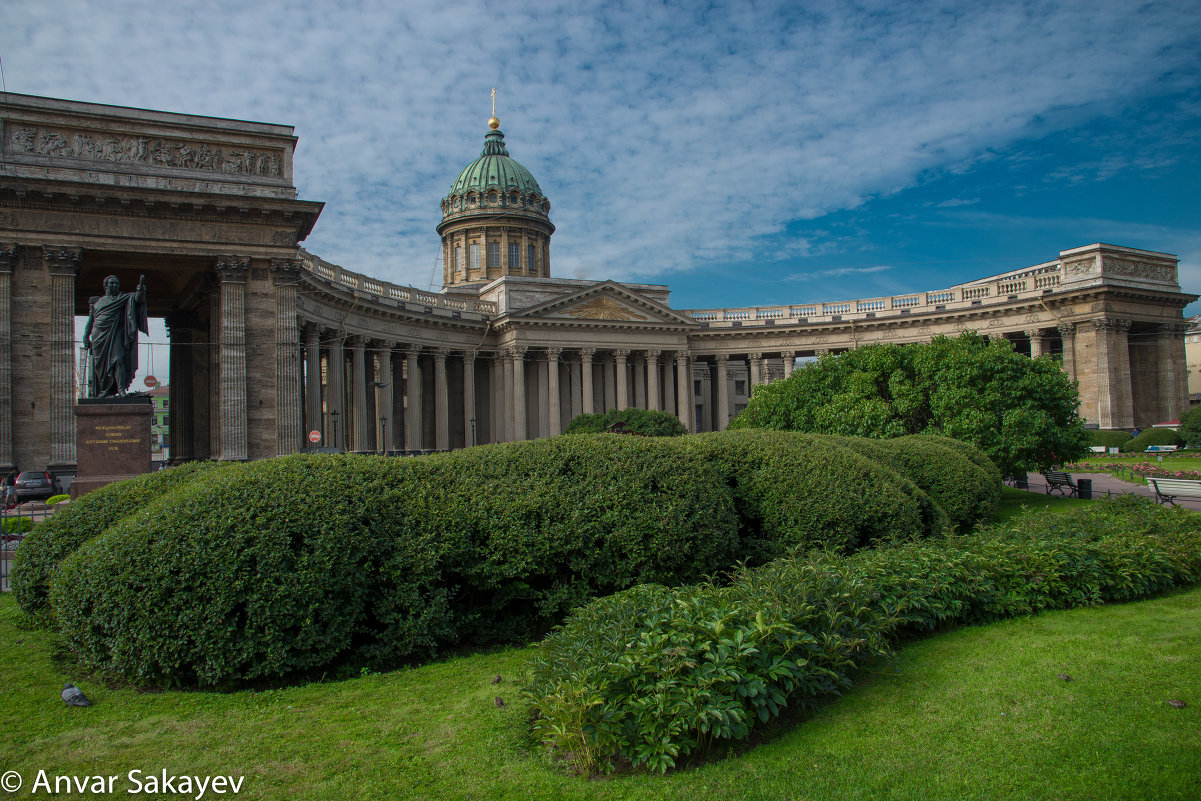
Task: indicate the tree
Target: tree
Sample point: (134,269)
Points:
(1022,412)
(636,421)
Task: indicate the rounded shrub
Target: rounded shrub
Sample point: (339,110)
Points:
(300,563)
(792,489)
(965,491)
(637,421)
(1108,439)
(1190,427)
(70,527)
(1152,436)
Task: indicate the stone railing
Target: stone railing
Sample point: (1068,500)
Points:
(373,288)
(1030,282)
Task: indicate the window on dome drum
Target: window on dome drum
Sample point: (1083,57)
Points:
(514,256)
(531,264)
(492,197)
(458,258)
(475,257)
(493,254)
(513,198)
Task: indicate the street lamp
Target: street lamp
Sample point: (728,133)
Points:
(473,431)
(334,416)
(383,429)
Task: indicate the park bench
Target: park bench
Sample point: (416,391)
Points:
(1167,490)
(1059,481)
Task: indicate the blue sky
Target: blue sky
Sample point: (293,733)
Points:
(742,153)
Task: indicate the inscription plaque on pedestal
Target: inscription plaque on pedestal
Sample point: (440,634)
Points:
(113,440)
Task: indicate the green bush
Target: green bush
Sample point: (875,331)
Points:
(967,492)
(70,527)
(792,489)
(639,421)
(1152,436)
(1108,439)
(53,499)
(299,563)
(649,675)
(17,524)
(1190,427)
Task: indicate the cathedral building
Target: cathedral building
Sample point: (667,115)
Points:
(273,347)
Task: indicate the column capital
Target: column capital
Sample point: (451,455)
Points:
(721,358)
(587,354)
(1067,329)
(1035,333)
(819,352)
(232,269)
(440,354)
(653,355)
(553,354)
(62,259)
(621,355)
(1111,324)
(285,272)
(8,257)
(414,351)
(357,341)
(1173,329)
(756,356)
(684,357)
(517,351)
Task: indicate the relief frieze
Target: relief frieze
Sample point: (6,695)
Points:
(148,151)
(1140,269)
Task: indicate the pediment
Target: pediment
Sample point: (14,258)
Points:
(605,302)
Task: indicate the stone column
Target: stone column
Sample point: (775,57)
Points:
(652,379)
(554,409)
(586,391)
(573,384)
(441,402)
(1068,332)
(1122,381)
(469,422)
(755,362)
(789,363)
(496,381)
(312,383)
(1114,403)
(684,390)
(509,390)
(231,272)
(358,392)
(335,369)
(413,399)
(8,263)
(623,389)
(520,424)
(1038,343)
(638,368)
(181,432)
(289,428)
(721,384)
(669,387)
(63,265)
(387,396)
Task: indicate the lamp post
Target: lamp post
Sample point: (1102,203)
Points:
(334,416)
(473,431)
(383,430)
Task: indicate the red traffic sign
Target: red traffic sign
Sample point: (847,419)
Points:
(151,381)
(314,436)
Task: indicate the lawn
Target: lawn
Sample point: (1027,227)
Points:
(979,712)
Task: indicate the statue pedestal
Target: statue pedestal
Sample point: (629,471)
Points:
(112,440)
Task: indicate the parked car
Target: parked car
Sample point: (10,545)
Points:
(37,485)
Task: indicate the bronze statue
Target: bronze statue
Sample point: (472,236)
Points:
(111,338)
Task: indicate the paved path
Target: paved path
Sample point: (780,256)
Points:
(1105,484)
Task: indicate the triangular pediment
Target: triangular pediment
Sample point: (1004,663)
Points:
(605,302)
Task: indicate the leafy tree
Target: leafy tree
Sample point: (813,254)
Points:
(638,421)
(1022,412)
(1190,427)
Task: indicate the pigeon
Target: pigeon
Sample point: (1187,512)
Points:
(1173,702)
(496,680)
(73,696)
(1065,677)
(500,703)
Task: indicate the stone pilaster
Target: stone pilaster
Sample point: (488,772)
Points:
(1112,379)
(413,438)
(586,391)
(312,383)
(441,402)
(289,427)
(623,389)
(470,424)
(554,408)
(652,379)
(181,409)
(721,387)
(8,263)
(231,272)
(520,426)
(1171,405)
(63,265)
(1067,333)
(684,390)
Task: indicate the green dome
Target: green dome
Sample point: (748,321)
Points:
(494,169)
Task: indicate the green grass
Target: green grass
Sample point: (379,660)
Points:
(1014,501)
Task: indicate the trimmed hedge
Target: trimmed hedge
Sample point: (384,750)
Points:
(965,491)
(1152,436)
(639,421)
(649,675)
(1108,439)
(299,563)
(73,525)
(799,490)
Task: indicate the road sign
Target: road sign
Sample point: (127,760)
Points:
(151,381)
(314,436)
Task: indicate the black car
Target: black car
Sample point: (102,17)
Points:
(37,484)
